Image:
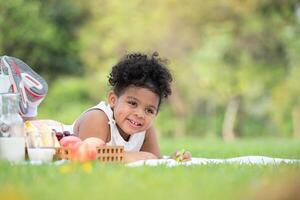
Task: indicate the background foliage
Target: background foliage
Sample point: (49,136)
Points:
(235,63)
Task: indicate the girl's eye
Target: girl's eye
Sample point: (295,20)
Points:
(150,111)
(132,103)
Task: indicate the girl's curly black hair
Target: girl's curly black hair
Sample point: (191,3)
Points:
(142,71)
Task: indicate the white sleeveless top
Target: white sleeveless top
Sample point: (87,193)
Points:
(135,141)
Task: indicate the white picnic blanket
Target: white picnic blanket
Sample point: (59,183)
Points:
(165,161)
(256,160)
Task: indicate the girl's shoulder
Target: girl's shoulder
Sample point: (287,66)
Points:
(93,123)
(95,115)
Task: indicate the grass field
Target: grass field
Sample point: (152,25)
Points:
(223,181)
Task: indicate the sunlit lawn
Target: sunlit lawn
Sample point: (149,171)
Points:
(100,181)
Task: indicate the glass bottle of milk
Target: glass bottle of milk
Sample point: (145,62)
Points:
(11,123)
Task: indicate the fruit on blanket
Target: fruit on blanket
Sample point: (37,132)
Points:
(66,133)
(59,135)
(76,145)
(94,142)
(83,152)
(69,141)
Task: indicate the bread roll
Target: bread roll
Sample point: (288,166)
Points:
(40,135)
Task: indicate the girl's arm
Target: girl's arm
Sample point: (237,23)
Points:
(95,124)
(150,143)
(92,124)
(149,150)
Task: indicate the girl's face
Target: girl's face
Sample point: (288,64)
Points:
(134,110)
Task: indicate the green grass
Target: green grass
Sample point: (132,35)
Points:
(216,148)
(120,182)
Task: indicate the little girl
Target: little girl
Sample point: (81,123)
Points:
(139,84)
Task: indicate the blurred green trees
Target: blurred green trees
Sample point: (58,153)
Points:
(235,63)
(43,33)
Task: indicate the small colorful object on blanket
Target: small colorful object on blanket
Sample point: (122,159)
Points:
(179,155)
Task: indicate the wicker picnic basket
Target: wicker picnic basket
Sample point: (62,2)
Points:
(45,128)
(105,154)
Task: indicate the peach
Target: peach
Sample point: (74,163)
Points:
(69,141)
(92,153)
(81,152)
(94,142)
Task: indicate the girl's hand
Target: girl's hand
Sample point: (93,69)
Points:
(182,155)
